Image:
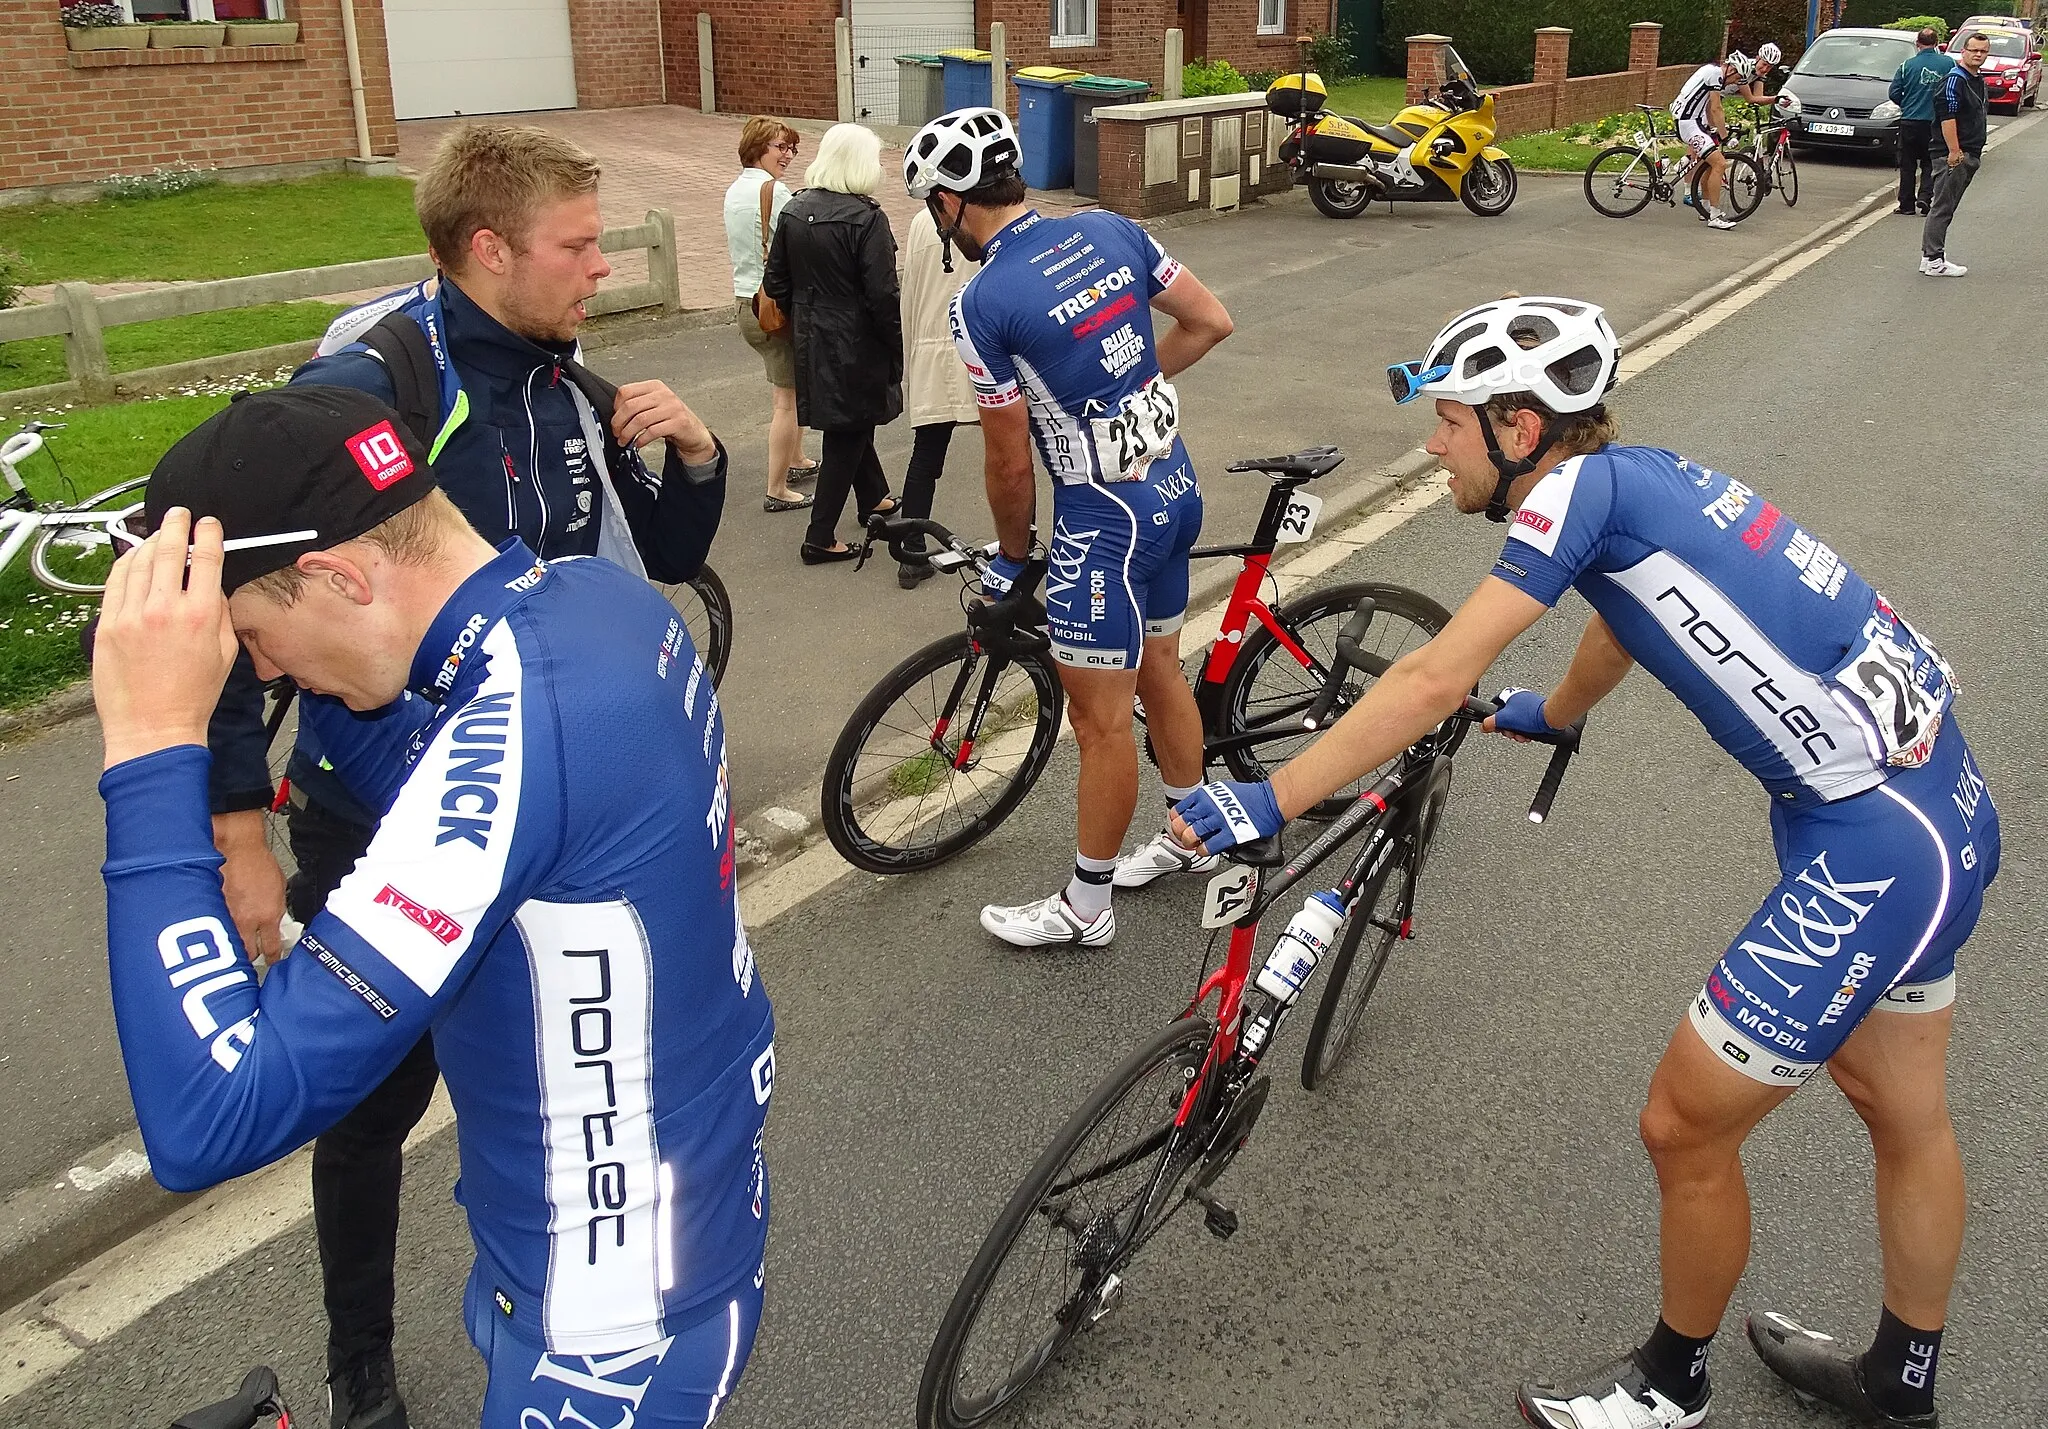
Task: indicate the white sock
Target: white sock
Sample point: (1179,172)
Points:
(1089,890)
(1175,793)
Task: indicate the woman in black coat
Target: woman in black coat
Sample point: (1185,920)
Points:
(832,268)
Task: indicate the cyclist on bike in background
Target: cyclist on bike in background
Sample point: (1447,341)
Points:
(1056,331)
(1884,832)
(1703,124)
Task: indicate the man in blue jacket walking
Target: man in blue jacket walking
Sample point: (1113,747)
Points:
(1913,90)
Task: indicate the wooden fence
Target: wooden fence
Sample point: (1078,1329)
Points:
(81,318)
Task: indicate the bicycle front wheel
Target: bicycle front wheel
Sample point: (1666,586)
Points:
(939,754)
(707,612)
(1270,687)
(1620,181)
(77,558)
(1785,176)
(1379,918)
(1050,1266)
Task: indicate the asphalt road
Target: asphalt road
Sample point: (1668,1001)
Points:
(1321,308)
(1466,1203)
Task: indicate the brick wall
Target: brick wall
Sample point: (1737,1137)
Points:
(618,52)
(784,68)
(1234,34)
(73,118)
(1125,188)
(1592,96)
(1130,38)
(1523,109)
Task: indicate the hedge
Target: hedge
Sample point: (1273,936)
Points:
(1497,37)
(1873,13)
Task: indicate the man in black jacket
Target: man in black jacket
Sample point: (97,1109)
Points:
(511,219)
(1958,149)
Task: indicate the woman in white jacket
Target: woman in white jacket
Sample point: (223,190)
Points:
(936,391)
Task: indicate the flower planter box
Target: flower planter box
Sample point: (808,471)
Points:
(263,32)
(187,36)
(108,37)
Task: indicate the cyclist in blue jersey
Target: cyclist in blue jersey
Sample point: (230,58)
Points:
(1885,834)
(570,937)
(1056,331)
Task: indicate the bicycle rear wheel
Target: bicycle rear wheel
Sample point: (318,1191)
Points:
(1620,181)
(912,781)
(707,612)
(1269,688)
(1049,1267)
(1379,918)
(1742,188)
(77,558)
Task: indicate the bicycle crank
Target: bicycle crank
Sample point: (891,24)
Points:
(1233,1131)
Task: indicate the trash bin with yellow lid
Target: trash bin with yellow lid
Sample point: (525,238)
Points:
(1045,125)
(967,79)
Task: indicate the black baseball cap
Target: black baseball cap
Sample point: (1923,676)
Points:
(291,470)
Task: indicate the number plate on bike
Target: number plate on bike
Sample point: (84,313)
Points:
(1298,521)
(1230,893)
(1139,432)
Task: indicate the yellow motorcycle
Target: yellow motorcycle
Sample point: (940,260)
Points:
(1435,151)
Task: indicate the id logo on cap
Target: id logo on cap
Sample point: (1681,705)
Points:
(380,454)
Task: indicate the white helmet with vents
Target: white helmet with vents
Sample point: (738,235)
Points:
(1558,350)
(1742,64)
(960,152)
(1769,52)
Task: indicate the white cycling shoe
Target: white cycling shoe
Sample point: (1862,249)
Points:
(1159,858)
(1048,923)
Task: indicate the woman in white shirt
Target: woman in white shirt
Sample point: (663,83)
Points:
(766,148)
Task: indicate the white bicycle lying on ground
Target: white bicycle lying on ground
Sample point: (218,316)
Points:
(70,547)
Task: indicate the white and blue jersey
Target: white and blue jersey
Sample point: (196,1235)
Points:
(1060,318)
(1885,834)
(550,890)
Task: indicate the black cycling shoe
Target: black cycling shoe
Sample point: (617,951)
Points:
(364,1395)
(1615,1396)
(1821,1367)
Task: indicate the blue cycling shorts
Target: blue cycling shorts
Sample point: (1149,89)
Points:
(1878,892)
(683,1380)
(1119,564)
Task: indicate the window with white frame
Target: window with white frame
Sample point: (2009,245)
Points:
(1073,23)
(146,10)
(1272,17)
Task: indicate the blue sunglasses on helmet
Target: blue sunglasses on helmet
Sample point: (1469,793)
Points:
(1407,379)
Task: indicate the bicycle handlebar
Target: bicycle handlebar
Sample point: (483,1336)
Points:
(1564,742)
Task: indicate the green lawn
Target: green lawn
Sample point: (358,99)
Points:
(1372,98)
(33,363)
(1548,149)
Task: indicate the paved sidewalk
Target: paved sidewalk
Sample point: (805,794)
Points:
(665,156)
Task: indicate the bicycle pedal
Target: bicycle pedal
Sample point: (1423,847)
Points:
(1220,1219)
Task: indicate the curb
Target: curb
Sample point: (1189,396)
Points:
(51,1228)
(67,704)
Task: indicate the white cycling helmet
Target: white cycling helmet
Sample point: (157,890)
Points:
(1742,64)
(960,152)
(1769,52)
(1558,350)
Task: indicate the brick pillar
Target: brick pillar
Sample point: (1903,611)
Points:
(1553,54)
(1425,64)
(1645,38)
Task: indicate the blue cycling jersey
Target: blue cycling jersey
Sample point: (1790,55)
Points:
(551,890)
(1794,665)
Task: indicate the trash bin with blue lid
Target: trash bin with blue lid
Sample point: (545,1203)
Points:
(1045,125)
(966,79)
(920,88)
(1088,94)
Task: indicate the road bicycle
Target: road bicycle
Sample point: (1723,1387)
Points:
(69,546)
(947,745)
(1156,1134)
(1623,178)
(1771,151)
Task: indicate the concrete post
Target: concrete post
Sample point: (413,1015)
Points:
(662,258)
(842,65)
(707,77)
(1553,54)
(999,66)
(85,346)
(1172,74)
(1645,40)
(1727,33)
(1425,64)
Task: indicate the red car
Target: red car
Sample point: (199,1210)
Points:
(2012,76)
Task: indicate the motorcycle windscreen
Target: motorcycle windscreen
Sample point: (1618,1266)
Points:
(1455,68)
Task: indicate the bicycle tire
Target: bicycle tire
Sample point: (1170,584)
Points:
(1627,185)
(707,612)
(1742,188)
(1314,619)
(1785,176)
(1165,1060)
(860,804)
(1330,1036)
(91,540)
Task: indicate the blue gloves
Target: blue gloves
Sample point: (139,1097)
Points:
(1521,712)
(1000,578)
(1223,814)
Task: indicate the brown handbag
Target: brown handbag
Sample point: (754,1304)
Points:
(767,312)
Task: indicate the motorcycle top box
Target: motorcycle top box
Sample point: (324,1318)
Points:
(1293,95)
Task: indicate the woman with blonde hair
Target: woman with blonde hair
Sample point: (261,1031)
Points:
(752,205)
(832,267)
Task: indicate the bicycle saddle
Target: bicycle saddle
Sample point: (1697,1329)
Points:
(1258,853)
(257,1399)
(1307,465)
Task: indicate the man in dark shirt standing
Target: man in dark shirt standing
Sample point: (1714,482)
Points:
(1913,90)
(1959,109)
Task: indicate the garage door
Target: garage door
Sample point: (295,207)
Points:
(884,29)
(479,56)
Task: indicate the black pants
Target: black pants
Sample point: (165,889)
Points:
(848,464)
(1916,164)
(1948,194)
(357,1162)
(921,479)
